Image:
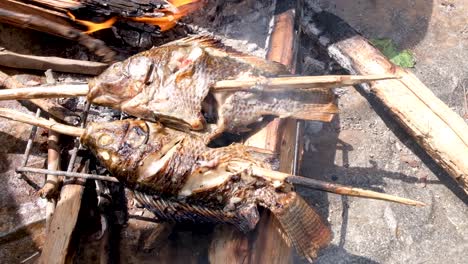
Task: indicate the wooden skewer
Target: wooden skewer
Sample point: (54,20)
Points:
(55,91)
(53,108)
(258,171)
(277,83)
(298,82)
(41,122)
(332,187)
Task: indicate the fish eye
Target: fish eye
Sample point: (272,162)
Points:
(105,140)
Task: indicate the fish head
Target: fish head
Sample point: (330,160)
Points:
(121,82)
(116,144)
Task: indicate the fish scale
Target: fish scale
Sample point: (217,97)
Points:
(180,179)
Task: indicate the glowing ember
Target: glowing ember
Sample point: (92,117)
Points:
(176,10)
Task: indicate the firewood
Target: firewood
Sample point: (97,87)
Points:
(21,61)
(24,15)
(441,132)
(62,224)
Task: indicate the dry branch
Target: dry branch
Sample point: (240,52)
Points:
(15,60)
(437,129)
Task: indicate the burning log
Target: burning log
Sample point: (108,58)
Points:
(181,179)
(24,15)
(56,17)
(436,128)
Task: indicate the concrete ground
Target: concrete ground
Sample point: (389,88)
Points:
(364,147)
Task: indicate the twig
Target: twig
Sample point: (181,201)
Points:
(15,60)
(51,186)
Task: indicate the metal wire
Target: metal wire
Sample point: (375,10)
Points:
(67,174)
(27,151)
(74,152)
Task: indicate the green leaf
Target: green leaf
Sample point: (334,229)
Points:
(403,59)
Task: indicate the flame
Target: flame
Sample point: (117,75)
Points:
(93,27)
(177,9)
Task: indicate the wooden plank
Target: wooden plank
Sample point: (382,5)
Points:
(438,130)
(265,245)
(63,223)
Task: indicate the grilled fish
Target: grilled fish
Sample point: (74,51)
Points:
(180,179)
(171,84)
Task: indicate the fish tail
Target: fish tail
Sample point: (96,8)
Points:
(313,112)
(315,105)
(303,226)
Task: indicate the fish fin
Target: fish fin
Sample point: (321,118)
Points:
(302,224)
(314,112)
(217,48)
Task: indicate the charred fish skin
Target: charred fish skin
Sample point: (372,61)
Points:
(184,180)
(170,84)
(172,81)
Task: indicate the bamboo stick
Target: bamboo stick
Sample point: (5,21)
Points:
(298,82)
(52,108)
(55,91)
(277,83)
(331,187)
